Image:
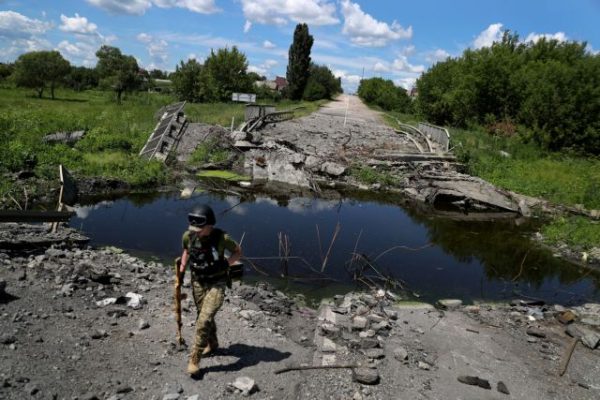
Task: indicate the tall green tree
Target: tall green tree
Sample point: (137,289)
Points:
(299,62)
(186,81)
(117,71)
(37,69)
(229,71)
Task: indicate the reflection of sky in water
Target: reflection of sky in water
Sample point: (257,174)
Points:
(466,260)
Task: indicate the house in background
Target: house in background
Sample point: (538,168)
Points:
(278,84)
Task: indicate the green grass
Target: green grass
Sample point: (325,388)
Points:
(226,175)
(368,175)
(574,231)
(115,134)
(561,178)
(208,152)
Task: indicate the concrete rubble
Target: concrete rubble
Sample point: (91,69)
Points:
(374,346)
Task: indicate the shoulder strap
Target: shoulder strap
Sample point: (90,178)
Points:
(215,238)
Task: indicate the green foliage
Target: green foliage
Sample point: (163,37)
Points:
(321,84)
(37,69)
(573,231)
(208,152)
(527,169)
(365,174)
(6,70)
(117,71)
(115,135)
(186,81)
(550,88)
(227,70)
(82,78)
(299,62)
(101,139)
(385,94)
(226,175)
(222,74)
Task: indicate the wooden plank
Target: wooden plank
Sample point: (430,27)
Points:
(35,216)
(69,191)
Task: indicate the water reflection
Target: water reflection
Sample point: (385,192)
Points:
(469,260)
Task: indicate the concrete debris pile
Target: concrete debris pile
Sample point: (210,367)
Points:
(34,236)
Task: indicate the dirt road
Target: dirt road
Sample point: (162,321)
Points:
(351,108)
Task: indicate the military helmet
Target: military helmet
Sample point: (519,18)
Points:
(202,215)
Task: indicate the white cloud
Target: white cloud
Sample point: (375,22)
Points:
(535,37)
(135,7)
(144,37)
(408,50)
(591,50)
(268,45)
(380,67)
(491,34)
(401,64)
(364,30)
(19,46)
(77,24)
(139,7)
(264,68)
(79,52)
(198,6)
(349,81)
(157,49)
(437,55)
(406,83)
(15,25)
(280,12)
(247,26)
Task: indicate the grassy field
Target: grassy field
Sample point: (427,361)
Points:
(115,133)
(511,163)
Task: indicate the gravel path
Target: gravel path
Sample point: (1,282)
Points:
(60,340)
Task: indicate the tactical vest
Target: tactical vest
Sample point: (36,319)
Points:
(207,263)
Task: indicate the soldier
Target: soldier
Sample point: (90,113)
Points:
(204,250)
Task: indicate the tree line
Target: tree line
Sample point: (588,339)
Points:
(385,94)
(223,72)
(548,91)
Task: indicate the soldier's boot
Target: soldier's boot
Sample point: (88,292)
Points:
(213,344)
(193,365)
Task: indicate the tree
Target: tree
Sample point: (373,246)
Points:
(118,71)
(299,62)
(187,81)
(6,70)
(321,84)
(82,78)
(384,94)
(158,74)
(228,70)
(37,69)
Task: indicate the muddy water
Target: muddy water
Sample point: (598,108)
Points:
(433,257)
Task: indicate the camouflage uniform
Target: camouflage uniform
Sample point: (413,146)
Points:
(208,295)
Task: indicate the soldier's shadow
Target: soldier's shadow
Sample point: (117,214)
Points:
(246,356)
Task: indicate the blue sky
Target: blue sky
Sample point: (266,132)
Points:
(396,40)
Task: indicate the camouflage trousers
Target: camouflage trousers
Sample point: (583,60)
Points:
(209,299)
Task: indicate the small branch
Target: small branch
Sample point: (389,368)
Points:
(564,364)
(521,268)
(403,248)
(335,233)
(305,367)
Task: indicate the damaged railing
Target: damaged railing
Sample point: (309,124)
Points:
(166,134)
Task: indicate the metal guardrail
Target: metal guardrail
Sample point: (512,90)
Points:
(437,133)
(157,142)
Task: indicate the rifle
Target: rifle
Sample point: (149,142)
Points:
(178,282)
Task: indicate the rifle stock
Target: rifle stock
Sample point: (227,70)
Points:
(178,282)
